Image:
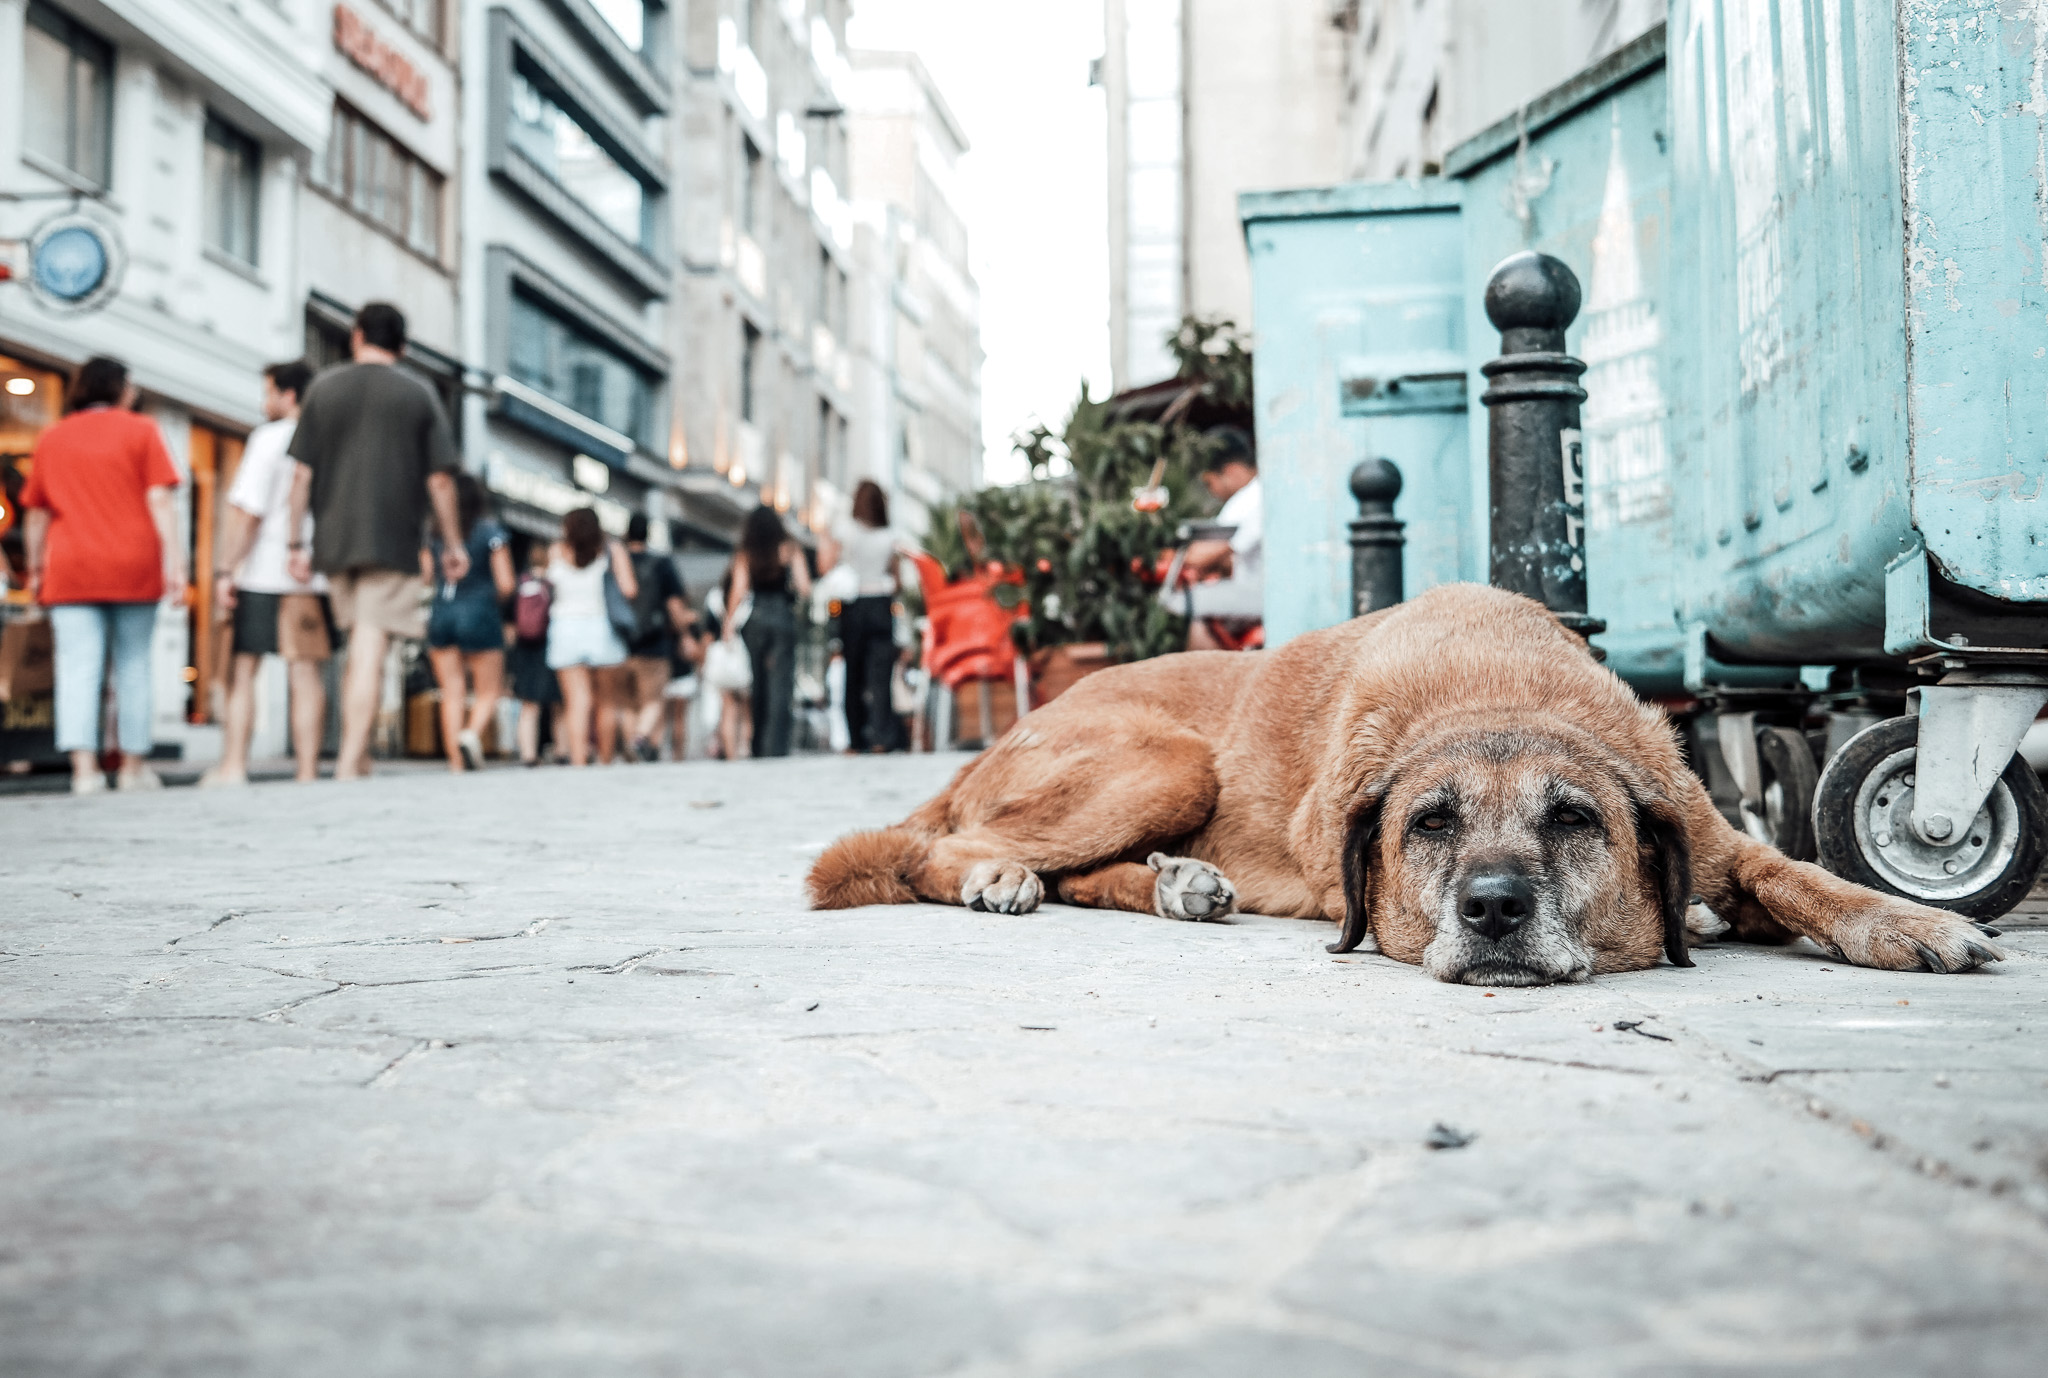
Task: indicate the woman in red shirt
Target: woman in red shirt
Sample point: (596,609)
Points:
(101,555)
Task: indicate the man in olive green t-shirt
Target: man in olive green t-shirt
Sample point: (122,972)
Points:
(374,453)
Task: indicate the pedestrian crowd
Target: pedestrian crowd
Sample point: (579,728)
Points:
(350,524)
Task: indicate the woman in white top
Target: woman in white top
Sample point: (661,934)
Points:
(867,625)
(584,650)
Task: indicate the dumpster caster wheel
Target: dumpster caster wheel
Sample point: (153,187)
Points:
(1790,779)
(1863,822)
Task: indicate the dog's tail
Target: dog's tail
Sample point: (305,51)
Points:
(867,868)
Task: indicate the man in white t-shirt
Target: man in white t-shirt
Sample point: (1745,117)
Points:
(1227,609)
(252,584)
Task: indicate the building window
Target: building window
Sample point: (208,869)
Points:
(557,143)
(561,359)
(750,351)
(423,17)
(68,94)
(750,183)
(234,168)
(628,19)
(381,180)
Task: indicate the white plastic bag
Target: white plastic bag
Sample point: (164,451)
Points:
(727,667)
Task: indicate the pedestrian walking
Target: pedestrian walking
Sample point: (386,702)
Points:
(729,671)
(102,553)
(374,453)
(662,614)
(465,633)
(865,545)
(270,612)
(526,664)
(772,573)
(585,649)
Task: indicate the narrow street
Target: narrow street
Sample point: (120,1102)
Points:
(540,1071)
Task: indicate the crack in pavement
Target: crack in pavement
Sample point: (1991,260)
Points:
(420,1048)
(231,914)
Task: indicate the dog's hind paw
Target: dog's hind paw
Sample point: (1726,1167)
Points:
(1189,889)
(1001,887)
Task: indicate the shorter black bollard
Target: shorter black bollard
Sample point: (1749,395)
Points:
(1376,538)
(1535,456)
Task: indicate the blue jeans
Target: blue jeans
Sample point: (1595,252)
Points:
(83,631)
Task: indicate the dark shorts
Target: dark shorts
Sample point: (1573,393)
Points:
(255,626)
(470,624)
(526,665)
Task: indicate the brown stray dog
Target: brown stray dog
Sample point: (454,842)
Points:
(1456,775)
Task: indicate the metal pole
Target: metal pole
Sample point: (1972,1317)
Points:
(1376,538)
(1535,456)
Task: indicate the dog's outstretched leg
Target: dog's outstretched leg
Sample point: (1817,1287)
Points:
(1173,887)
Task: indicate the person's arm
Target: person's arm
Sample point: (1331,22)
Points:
(503,577)
(829,551)
(301,562)
(426,565)
(622,570)
(1207,557)
(679,615)
(163,510)
(799,569)
(454,558)
(33,533)
(234,548)
(742,585)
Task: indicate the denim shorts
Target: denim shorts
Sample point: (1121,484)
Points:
(471,624)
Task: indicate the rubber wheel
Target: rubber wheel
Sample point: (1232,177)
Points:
(1862,821)
(1790,780)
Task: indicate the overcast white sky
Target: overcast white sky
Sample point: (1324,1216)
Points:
(1016,76)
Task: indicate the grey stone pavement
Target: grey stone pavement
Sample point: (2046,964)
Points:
(541,1072)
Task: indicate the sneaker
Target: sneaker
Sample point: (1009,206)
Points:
(647,751)
(94,783)
(472,747)
(140,778)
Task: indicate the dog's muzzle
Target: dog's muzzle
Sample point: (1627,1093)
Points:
(1500,929)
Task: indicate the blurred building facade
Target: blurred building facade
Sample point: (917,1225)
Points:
(1209,98)
(917,315)
(1421,76)
(1205,99)
(763,248)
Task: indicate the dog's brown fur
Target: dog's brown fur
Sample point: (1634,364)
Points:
(1293,772)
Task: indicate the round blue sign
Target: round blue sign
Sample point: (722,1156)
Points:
(71,263)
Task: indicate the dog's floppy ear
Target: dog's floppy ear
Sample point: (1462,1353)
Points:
(1361,840)
(1667,856)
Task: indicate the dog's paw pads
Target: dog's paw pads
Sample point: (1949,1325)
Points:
(1190,889)
(1001,887)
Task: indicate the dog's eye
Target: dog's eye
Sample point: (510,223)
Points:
(1570,817)
(1435,821)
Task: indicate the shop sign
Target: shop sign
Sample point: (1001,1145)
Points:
(75,263)
(355,40)
(551,495)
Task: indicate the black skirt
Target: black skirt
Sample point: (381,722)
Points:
(526,665)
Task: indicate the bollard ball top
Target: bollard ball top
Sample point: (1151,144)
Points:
(1532,291)
(1375,480)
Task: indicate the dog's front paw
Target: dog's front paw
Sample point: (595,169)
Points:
(1001,887)
(1899,935)
(1189,889)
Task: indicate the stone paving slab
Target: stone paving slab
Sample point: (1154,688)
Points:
(540,1072)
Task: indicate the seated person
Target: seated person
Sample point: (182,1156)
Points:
(1227,609)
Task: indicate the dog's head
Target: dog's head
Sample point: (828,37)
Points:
(1516,855)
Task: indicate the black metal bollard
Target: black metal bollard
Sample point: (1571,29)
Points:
(1535,458)
(1376,538)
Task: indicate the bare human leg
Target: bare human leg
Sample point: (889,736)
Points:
(362,691)
(309,716)
(448,673)
(576,712)
(238,722)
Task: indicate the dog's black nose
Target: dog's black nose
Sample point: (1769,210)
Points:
(1496,903)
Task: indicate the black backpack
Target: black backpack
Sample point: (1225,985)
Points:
(650,617)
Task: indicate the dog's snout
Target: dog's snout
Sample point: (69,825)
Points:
(1494,903)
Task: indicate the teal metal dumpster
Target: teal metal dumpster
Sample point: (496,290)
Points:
(1361,354)
(1859,406)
